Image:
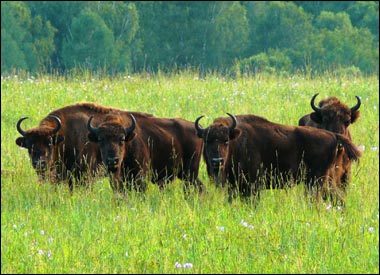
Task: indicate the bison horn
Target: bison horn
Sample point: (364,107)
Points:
(59,123)
(197,127)
(21,131)
(315,108)
(90,128)
(131,128)
(234,123)
(357,106)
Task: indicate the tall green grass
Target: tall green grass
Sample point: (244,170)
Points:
(46,229)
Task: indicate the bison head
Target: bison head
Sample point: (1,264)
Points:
(333,115)
(216,140)
(113,138)
(40,141)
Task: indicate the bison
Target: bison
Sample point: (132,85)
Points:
(333,115)
(58,148)
(250,153)
(134,149)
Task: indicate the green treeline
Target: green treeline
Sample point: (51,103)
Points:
(240,36)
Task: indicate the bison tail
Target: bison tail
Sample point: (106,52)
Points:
(351,150)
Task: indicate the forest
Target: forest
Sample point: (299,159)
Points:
(237,37)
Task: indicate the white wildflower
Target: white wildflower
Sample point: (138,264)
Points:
(177,265)
(221,228)
(371,229)
(126,254)
(246,224)
(328,207)
(50,240)
(361,147)
(42,232)
(184,236)
(374,148)
(41,252)
(187,265)
(14,226)
(49,254)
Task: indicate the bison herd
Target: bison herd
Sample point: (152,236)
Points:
(246,153)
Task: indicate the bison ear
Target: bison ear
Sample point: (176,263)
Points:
(234,133)
(92,137)
(20,141)
(58,139)
(354,116)
(130,136)
(316,117)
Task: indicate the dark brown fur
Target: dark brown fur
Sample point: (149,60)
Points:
(335,116)
(260,154)
(158,149)
(70,154)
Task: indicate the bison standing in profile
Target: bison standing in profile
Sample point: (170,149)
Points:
(135,149)
(333,115)
(59,148)
(250,153)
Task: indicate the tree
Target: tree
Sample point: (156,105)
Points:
(229,34)
(123,20)
(365,14)
(280,25)
(13,34)
(330,21)
(344,45)
(26,42)
(60,15)
(91,44)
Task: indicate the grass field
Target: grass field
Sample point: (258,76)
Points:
(45,229)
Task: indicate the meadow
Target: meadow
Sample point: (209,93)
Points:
(45,229)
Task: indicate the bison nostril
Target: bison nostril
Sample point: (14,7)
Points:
(112,161)
(217,161)
(39,164)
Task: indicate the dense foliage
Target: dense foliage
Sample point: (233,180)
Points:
(238,37)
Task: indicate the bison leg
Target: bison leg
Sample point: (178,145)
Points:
(315,183)
(190,177)
(233,192)
(71,185)
(197,183)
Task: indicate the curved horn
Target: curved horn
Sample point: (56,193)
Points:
(197,127)
(357,106)
(59,123)
(90,128)
(131,128)
(21,131)
(234,122)
(315,108)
